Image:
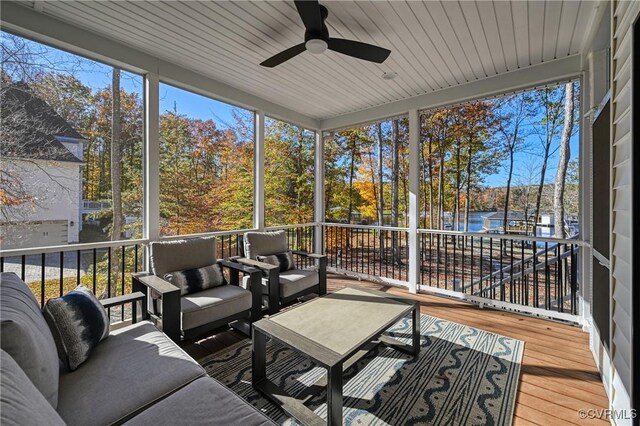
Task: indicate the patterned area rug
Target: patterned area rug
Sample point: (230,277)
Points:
(463,376)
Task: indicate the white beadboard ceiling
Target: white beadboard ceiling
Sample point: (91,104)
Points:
(434,44)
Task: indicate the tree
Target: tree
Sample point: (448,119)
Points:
(511,128)
(551,101)
(116,159)
(563,161)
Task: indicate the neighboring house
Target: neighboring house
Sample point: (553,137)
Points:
(41,172)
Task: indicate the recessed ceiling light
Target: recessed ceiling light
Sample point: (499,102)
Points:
(389,75)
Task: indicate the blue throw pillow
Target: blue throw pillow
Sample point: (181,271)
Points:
(283,260)
(78,323)
(198,279)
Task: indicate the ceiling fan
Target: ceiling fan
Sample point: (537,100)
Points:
(317,40)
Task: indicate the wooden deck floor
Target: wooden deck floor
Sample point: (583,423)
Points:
(558,375)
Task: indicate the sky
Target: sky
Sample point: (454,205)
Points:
(98,76)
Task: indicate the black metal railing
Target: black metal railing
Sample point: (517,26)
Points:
(104,268)
(526,271)
(369,250)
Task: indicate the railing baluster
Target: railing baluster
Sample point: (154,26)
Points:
(23,267)
(42,278)
(135,258)
(61,273)
(78,267)
(94,271)
(547,277)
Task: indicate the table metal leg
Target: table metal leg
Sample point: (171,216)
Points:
(334,395)
(258,357)
(416,330)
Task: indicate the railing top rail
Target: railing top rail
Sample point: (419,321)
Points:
(299,225)
(506,236)
(70,247)
(205,234)
(119,243)
(350,225)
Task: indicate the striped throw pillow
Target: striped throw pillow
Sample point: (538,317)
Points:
(284,260)
(78,323)
(193,280)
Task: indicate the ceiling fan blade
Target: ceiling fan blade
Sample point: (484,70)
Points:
(283,56)
(309,11)
(359,50)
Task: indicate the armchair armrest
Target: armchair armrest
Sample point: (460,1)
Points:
(132,298)
(321,263)
(273,274)
(255,284)
(154,287)
(256,264)
(309,255)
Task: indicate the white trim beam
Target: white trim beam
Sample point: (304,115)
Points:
(258,187)
(28,23)
(151,226)
(524,78)
(318,208)
(414,200)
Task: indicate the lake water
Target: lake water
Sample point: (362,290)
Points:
(475,221)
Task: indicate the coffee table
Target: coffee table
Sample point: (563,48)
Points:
(335,331)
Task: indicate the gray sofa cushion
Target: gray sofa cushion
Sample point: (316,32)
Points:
(25,335)
(178,255)
(264,243)
(291,282)
(20,402)
(135,367)
(203,402)
(213,304)
(78,323)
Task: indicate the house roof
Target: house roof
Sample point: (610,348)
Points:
(31,127)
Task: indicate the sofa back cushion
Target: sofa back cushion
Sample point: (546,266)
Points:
(25,335)
(264,243)
(20,402)
(180,255)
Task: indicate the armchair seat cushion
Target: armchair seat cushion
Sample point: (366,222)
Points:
(132,369)
(213,304)
(203,402)
(291,282)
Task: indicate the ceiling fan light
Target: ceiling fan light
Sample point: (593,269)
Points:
(316,46)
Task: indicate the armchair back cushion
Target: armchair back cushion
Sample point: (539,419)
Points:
(21,403)
(25,336)
(180,255)
(264,243)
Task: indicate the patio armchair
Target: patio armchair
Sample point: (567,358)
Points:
(282,287)
(192,314)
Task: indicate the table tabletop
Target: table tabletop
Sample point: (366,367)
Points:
(331,327)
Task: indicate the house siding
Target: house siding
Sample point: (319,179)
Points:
(624,13)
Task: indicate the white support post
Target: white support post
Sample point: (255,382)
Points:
(152,158)
(414,199)
(151,224)
(318,207)
(258,195)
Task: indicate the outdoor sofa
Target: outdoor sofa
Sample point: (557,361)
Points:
(136,376)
